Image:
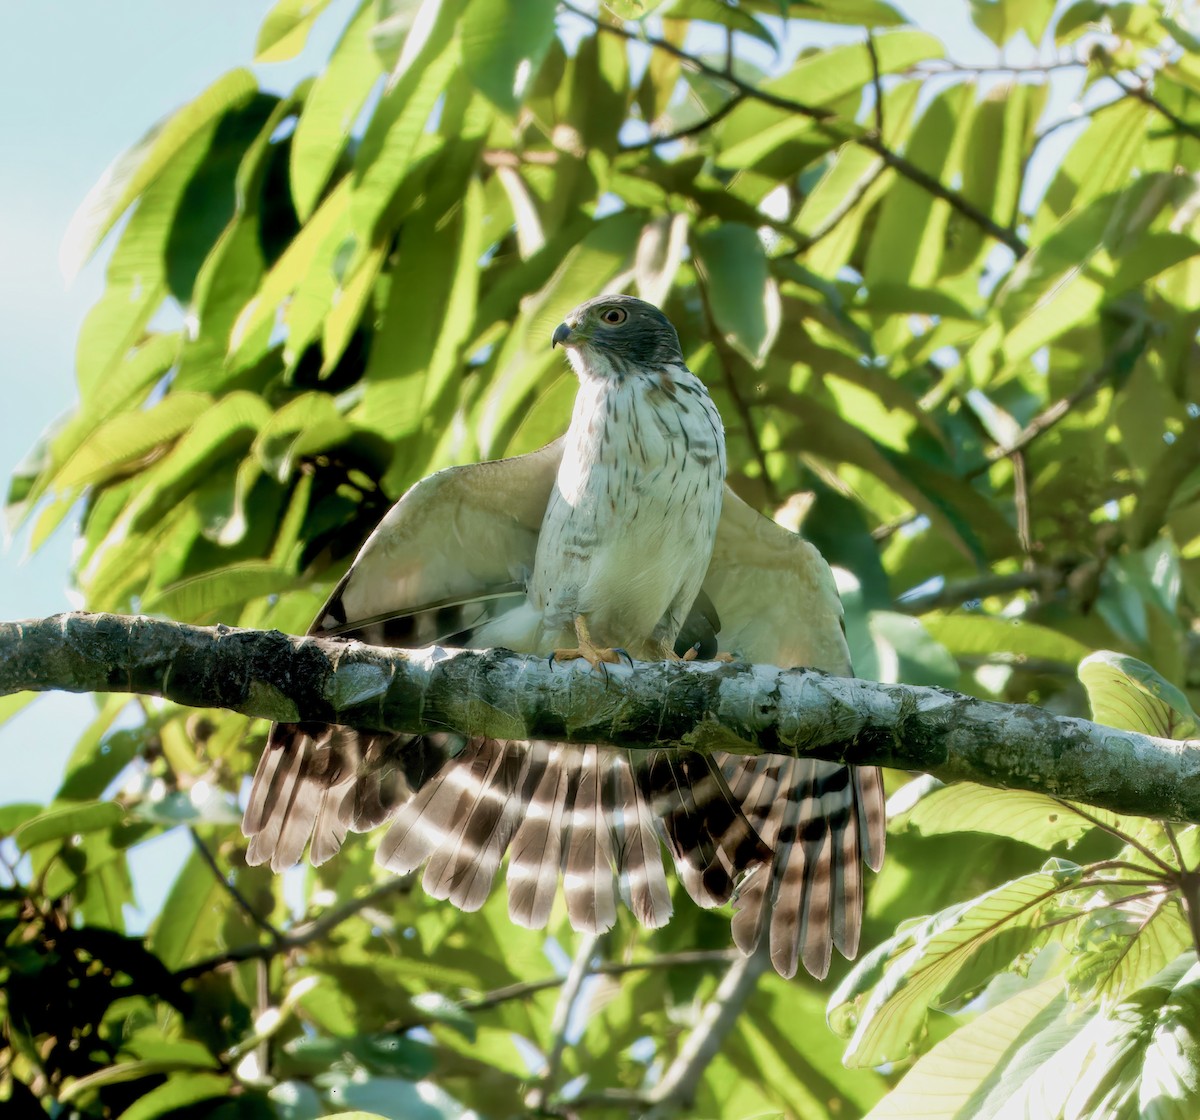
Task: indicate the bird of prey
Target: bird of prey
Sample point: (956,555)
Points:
(620,538)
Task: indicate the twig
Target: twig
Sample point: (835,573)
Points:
(1022,504)
(1143,94)
(691,130)
(679,1083)
(231,890)
(297,938)
(936,188)
(725,359)
(823,116)
(1112,830)
(1043,579)
(526,988)
(814,112)
(950,66)
(1174,842)
(580,969)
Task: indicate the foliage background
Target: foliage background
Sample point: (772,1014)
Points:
(979,362)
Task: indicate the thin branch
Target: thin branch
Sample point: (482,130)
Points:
(951,66)
(302,935)
(814,112)
(1124,837)
(527,988)
(237,896)
(678,1084)
(1173,840)
(726,359)
(1045,580)
(1142,93)
(825,118)
(695,129)
(936,188)
(581,968)
(797,713)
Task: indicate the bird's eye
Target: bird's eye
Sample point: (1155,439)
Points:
(614,315)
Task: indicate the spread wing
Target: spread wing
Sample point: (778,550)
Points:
(448,562)
(449,553)
(451,556)
(777,604)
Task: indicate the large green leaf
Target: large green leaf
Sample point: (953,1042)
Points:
(742,294)
(131,174)
(330,110)
(285,30)
(1128,694)
(501,54)
(982,1066)
(884,1004)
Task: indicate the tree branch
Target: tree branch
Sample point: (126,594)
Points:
(703,706)
(824,118)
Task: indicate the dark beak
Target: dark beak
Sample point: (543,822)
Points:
(561,334)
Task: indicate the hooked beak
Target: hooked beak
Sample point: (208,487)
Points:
(562,333)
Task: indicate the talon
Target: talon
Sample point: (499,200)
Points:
(625,654)
(594,655)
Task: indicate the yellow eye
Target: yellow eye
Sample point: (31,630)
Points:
(614,315)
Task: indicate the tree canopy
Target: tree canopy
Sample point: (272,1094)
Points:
(948,311)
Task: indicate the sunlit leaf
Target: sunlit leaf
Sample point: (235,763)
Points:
(139,166)
(1128,694)
(330,110)
(883,1007)
(743,296)
(502,54)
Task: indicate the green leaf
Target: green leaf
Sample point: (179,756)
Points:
(216,595)
(715,11)
(982,1065)
(14,815)
(401,1100)
(1107,1088)
(884,1003)
(906,248)
(129,436)
(191,920)
(979,635)
(819,79)
(68,820)
(1031,818)
(743,296)
(330,110)
(500,54)
(321,234)
(177,1093)
(905,651)
(1128,694)
(398,130)
(132,172)
(285,30)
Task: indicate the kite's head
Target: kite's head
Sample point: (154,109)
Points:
(618,335)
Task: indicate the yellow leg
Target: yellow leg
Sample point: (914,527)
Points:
(593,654)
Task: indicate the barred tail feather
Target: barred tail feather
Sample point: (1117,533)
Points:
(643,883)
(819,819)
(588,882)
(534,858)
(705,830)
